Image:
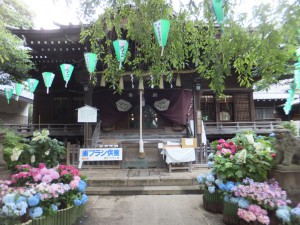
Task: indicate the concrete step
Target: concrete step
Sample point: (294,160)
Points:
(144,190)
(140,181)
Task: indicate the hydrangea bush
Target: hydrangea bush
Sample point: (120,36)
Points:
(38,191)
(237,158)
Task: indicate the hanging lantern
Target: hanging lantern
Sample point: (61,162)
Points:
(178,81)
(141,83)
(18,89)
(161,83)
(8,93)
(218,8)
(66,70)
(48,79)
(32,84)
(121,47)
(121,83)
(161,29)
(90,62)
(297,78)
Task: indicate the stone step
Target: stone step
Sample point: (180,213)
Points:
(144,190)
(140,181)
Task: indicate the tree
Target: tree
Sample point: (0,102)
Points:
(263,50)
(14,58)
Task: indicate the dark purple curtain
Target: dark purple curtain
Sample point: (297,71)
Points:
(179,107)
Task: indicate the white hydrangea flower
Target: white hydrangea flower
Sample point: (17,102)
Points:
(32,159)
(47,152)
(242,155)
(16,154)
(250,138)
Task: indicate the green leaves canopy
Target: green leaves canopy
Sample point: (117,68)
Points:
(263,51)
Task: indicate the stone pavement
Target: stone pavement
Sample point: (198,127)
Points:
(148,210)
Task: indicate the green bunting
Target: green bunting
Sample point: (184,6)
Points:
(161,29)
(66,70)
(48,79)
(8,93)
(121,47)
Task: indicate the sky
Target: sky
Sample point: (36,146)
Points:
(48,12)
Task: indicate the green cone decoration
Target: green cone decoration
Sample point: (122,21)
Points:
(48,79)
(66,70)
(18,89)
(218,8)
(121,47)
(161,29)
(32,84)
(8,93)
(90,62)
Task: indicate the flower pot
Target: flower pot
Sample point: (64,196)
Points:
(212,202)
(230,216)
(67,216)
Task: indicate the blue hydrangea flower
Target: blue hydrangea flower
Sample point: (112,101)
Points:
(229,185)
(259,137)
(9,209)
(283,214)
(243,203)
(272,135)
(217,181)
(54,207)
(35,212)
(211,155)
(210,164)
(221,186)
(84,199)
(21,199)
(81,186)
(234,200)
(200,179)
(210,178)
(227,198)
(295,211)
(77,202)
(34,200)
(211,189)
(22,207)
(9,198)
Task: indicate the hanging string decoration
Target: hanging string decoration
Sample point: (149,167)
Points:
(121,47)
(67,70)
(161,29)
(48,79)
(18,89)
(295,86)
(8,93)
(32,84)
(90,62)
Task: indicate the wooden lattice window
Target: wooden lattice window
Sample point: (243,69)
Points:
(226,108)
(242,106)
(208,108)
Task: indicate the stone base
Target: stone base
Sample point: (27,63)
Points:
(290,182)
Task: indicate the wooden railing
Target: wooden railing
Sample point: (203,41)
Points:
(259,127)
(54,129)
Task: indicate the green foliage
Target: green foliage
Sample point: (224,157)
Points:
(40,149)
(290,126)
(195,42)
(14,59)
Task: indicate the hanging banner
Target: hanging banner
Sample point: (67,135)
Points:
(218,8)
(121,47)
(161,29)
(48,79)
(32,84)
(90,62)
(18,90)
(8,93)
(67,70)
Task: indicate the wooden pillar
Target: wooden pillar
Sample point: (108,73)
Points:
(88,100)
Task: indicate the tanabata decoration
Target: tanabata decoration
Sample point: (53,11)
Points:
(67,70)
(161,29)
(18,89)
(218,8)
(48,79)
(121,47)
(90,62)
(8,93)
(32,84)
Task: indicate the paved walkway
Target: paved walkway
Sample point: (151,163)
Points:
(148,210)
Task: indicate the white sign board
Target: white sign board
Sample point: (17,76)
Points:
(87,114)
(100,154)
